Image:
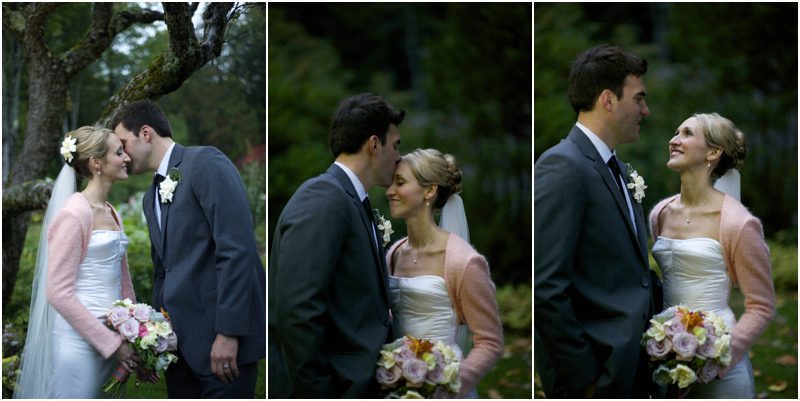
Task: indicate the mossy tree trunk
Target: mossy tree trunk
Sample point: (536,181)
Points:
(49,77)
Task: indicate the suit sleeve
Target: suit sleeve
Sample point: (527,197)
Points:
(64,258)
(222,197)
(559,203)
(313,220)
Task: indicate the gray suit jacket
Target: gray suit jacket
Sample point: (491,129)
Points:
(592,283)
(328,298)
(208,274)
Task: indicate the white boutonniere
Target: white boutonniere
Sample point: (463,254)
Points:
(383,225)
(167,187)
(636,184)
(69,148)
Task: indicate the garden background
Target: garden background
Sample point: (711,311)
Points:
(739,60)
(221,103)
(462,72)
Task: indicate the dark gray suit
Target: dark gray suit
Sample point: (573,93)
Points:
(208,273)
(328,299)
(593,289)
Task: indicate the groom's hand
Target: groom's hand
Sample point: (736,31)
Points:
(223,358)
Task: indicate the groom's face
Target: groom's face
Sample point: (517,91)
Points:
(388,156)
(135,147)
(629,110)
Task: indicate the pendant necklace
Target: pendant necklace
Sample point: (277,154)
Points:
(689,215)
(416,251)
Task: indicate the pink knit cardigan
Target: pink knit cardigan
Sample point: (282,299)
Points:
(69,236)
(470,287)
(746,254)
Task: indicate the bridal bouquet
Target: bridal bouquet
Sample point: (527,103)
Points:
(151,335)
(418,368)
(687,346)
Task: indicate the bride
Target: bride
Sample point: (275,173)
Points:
(439,285)
(706,241)
(81,269)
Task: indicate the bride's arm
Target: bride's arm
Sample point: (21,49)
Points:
(478,305)
(125,277)
(64,257)
(753,273)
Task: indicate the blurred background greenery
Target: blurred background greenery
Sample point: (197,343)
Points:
(222,105)
(739,60)
(462,72)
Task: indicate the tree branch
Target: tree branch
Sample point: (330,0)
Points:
(168,71)
(101,33)
(31,195)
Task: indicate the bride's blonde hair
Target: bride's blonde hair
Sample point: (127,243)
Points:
(720,132)
(90,142)
(431,166)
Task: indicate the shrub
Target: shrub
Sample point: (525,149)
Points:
(515,303)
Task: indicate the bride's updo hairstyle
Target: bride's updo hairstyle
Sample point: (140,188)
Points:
(90,142)
(719,132)
(431,166)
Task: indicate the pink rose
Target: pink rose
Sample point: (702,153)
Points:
(388,378)
(707,348)
(708,372)
(172,342)
(658,349)
(403,354)
(161,345)
(414,371)
(117,315)
(675,327)
(142,312)
(684,344)
(129,329)
(143,330)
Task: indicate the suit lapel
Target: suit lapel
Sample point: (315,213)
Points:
(379,255)
(175,160)
(150,215)
(587,147)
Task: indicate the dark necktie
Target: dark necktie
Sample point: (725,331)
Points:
(371,216)
(612,163)
(157,179)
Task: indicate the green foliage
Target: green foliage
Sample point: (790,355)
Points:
(744,70)
(460,74)
(783,259)
(515,303)
(254,176)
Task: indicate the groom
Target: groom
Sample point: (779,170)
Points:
(593,294)
(328,300)
(208,274)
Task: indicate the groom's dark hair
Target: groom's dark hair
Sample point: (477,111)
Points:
(597,69)
(358,118)
(142,112)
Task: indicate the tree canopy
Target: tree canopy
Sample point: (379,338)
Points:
(739,60)
(461,72)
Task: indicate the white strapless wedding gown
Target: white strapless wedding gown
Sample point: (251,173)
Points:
(695,276)
(422,309)
(79,371)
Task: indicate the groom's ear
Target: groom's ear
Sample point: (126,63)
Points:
(606,100)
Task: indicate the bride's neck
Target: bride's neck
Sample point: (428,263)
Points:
(421,230)
(96,192)
(695,189)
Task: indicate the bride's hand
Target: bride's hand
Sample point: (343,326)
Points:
(127,357)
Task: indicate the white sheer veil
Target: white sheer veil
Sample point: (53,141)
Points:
(454,220)
(730,183)
(37,355)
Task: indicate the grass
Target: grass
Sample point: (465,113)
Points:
(511,377)
(159,390)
